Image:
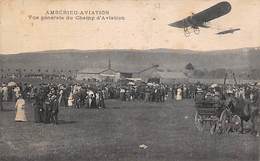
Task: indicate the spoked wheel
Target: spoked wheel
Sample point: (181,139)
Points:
(218,127)
(196,31)
(198,122)
(224,122)
(186,32)
(213,127)
(236,123)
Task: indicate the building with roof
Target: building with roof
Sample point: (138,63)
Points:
(99,73)
(148,73)
(134,72)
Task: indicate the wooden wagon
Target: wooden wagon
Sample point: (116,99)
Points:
(214,113)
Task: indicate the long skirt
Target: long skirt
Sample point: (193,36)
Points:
(178,96)
(70,102)
(20,115)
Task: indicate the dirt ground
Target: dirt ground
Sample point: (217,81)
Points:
(115,134)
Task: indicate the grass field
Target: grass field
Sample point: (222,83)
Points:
(115,133)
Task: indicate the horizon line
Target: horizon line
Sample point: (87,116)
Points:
(41,51)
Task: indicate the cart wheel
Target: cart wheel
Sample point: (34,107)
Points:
(198,122)
(236,123)
(213,128)
(218,127)
(224,121)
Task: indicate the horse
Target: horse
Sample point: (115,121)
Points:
(246,109)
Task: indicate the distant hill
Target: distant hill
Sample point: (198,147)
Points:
(168,59)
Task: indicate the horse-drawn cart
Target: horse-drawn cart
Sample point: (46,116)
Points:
(223,110)
(214,112)
(207,113)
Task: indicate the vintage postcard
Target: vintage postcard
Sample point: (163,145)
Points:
(129,80)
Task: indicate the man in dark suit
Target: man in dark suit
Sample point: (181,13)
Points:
(102,100)
(38,110)
(54,109)
(47,110)
(1,100)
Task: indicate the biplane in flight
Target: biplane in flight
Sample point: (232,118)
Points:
(230,31)
(195,21)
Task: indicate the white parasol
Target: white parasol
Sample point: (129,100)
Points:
(11,84)
(131,83)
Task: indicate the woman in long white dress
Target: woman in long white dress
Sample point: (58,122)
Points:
(179,94)
(70,100)
(5,93)
(20,110)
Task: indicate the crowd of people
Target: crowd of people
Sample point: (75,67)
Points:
(214,91)
(248,91)
(181,91)
(47,98)
(149,92)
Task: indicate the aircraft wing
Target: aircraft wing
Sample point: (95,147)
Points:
(199,19)
(212,13)
(223,32)
(227,31)
(181,24)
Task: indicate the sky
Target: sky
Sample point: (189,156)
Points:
(145,25)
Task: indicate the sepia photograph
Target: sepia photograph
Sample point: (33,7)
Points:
(132,80)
